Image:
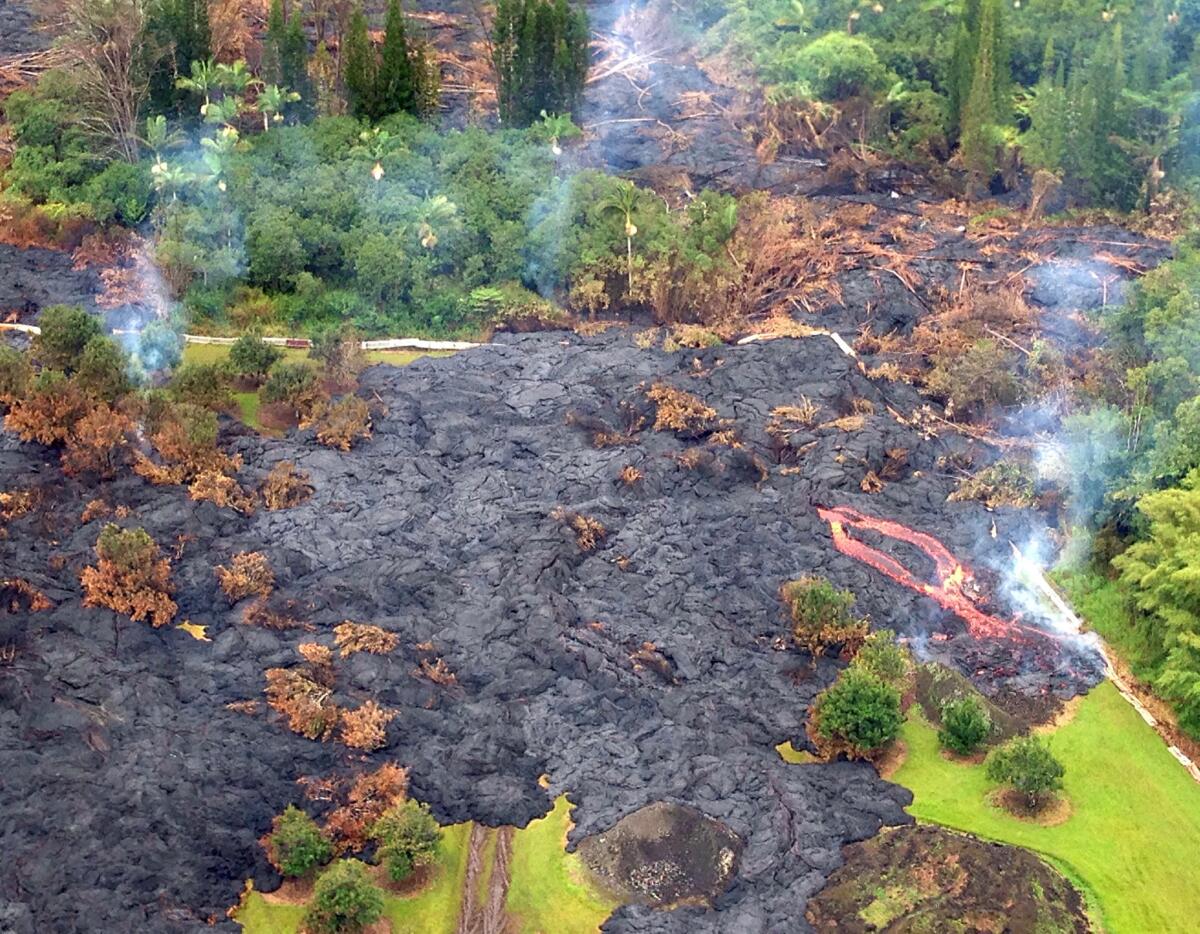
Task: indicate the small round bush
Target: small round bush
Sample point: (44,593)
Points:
(1027,765)
(66,330)
(965,724)
(408,837)
(205,384)
(859,711)
(159,347)
(102,370)
(837,66)
(15,373)
(295,844)
(250,357)
(344,900)
(882,657)
(288,382)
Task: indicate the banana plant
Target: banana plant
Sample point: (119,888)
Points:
(202,81)
(271,101)
(623,200)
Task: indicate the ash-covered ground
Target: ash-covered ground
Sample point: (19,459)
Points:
(135,797)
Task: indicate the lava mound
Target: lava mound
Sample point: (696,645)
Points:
(665,854)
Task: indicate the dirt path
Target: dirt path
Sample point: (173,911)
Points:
(485,890)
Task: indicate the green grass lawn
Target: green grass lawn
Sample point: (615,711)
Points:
(248,402)
(434,910)
(549,893)
(1132,841)
(1100,601)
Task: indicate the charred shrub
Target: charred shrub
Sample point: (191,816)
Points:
(366,727)
(295,846)
(97,443)
(354,637)
(304,701)
(285,487)
(215,487)
(130,577)
(589,532)
(680,411)
(971,382)
(371,795)
(339,424)
(821,617)
(248,573)
(49,411)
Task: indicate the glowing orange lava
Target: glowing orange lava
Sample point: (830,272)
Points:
(955,582)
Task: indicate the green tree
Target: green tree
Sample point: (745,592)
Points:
(102,370)
(1162,573)
(251,357)
(15,374)
(983,114)
(295,846)
(178,33)
(274,250)
(288,382)
(361,68)
(66,331)
(1029,767)
(205,384)
(965,724)
(541,53)
(397,90)
(285,49)
(408,837)
(344,900)
(882,657)
(202,79)
(858,712)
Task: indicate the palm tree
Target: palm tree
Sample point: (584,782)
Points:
(271,101)
(160,136)
(236,78)
(433,213)
(202,81)
(623,200)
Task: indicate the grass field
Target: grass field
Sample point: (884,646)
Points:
(1132,840)
(547,895)
(1101,602)
(248,402)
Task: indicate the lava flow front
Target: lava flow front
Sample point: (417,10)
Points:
(954,581)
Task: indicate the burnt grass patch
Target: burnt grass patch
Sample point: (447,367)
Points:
(930,879)
(653,667)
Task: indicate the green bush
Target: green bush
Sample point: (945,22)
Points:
(858,712)
(344,900)
(837,66)
(129,549)
(971,382)
(15,373)
(882,657)
(965,724)
(66,331)
(288,382)
(821,616)
(295,846)
(251,357)
(205,384)
(102,370)
(407,837)
(1029,767)
(275,254)
(158,347)
(121,193)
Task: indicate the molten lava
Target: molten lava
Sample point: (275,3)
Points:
(955,584)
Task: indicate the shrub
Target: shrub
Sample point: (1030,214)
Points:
(96,442)
(344,900)
(295,846)
(224,491)
(369,797)
(366,727)
(101,370)
(965,724)
(292,383)
(203,384)
(186,439)
(1026,764)
(120,193)
(589,532)
(408,837)
(305,702)
(837,66)
(248,573)
(130,577)
(15,374)
(973,381)
(50,410)
(882,657)
(821,616)
(252,358)
(858,714)
(339,424)
(66,330)
(274,250)
(340,352)
(159,347)
(285,487)
(680,411)
(354,637)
